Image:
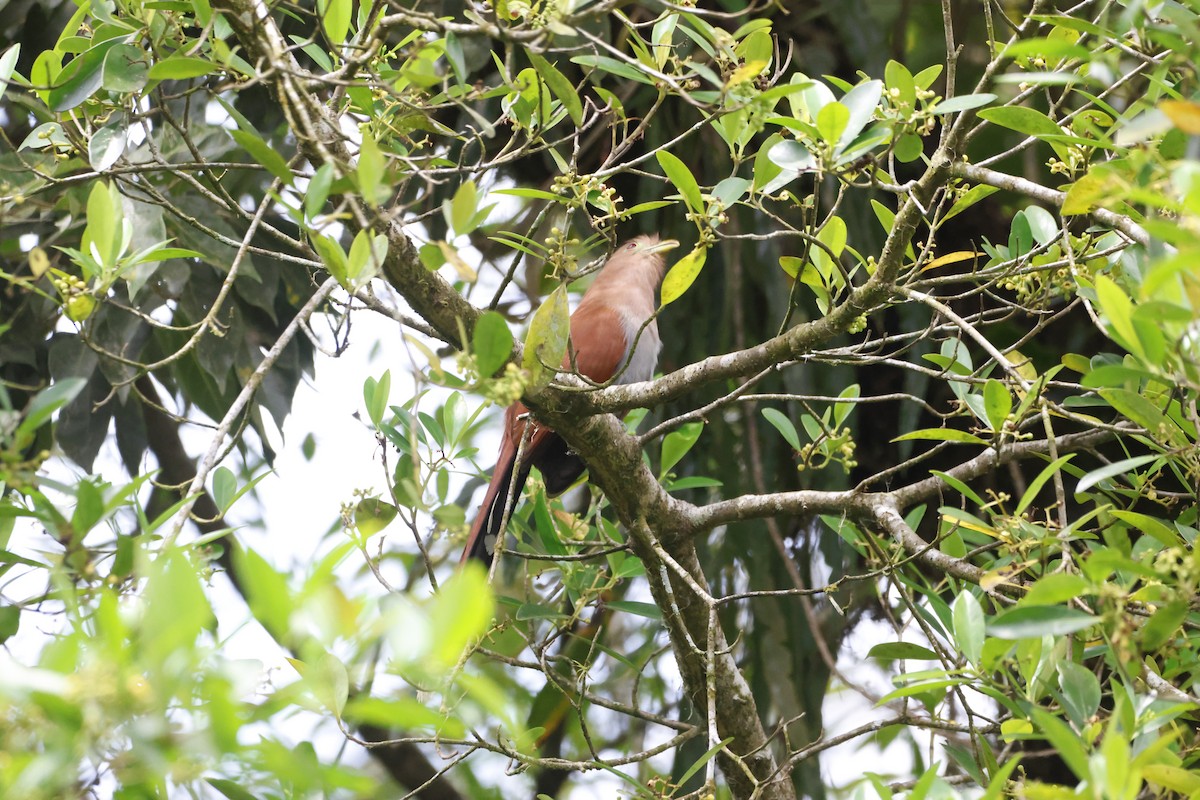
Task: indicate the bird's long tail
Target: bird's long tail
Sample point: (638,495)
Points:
(487,532)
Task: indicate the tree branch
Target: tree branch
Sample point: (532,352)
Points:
(1045,194)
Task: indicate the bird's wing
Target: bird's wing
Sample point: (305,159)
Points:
(598,348)
(598,342)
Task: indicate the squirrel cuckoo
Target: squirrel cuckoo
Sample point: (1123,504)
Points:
(603,330)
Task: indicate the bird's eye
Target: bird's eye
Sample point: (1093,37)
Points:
(631,246)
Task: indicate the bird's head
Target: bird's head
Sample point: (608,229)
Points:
(643,253)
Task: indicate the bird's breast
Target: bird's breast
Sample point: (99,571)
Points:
(646,347)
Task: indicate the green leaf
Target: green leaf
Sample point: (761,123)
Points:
(317,191)
(695,482)
(267,592)
(920,687)
(106,146)
(1139,409)
(1091,190)
(534,194)
(1183,782)
(546,340)
(925,78)
(1020,237)
(682,179)
(44,404)
(909,148)
(370,171)
(677,443)
(224,488)
(1118,310)
(702,760)
(365,259)
(181,68)
(10,622)
(967,616)
(80,78)
(126,69)
(1064,741)
(546,530)
(231,789)
(329,682)
(682,275)
(332,255)
(539,611)
(899,651)
(1043,225)
(400,713)
(1081,692)
(376,395)
(647,610)
(972,196)
(372,515)
(997,787)
(614,67)
(1022,119)
(832,122)
(460,613)
(559,85)
(1026,622)
(997,402)
(784,425)
(8,63)
(730,190)
(264,154)
(104,228)
(89,508)
(1111,470)
(1057,587)
(1153,526)
(860,103)
(1036,484)
(176,610)
(335,18)
(1163,625)
(462,207)
(897,77)
(963,102)
(492,343)
(1050,48)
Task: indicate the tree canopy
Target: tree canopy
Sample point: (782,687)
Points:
(930,373)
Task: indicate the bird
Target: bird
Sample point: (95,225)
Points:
(613,336)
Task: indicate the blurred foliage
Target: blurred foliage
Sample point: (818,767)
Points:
(1014,408)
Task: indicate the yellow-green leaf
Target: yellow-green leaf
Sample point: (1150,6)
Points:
(546,342)
(560,86)
(681,177)
(370,170)
(951,258)
(264,154)
(1118,309)
(682,275)
(747,71)
(335,18)
(1087,193)
(181,68)
(492,343)
(1183,114)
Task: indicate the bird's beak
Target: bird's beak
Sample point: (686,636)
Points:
(663,246)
